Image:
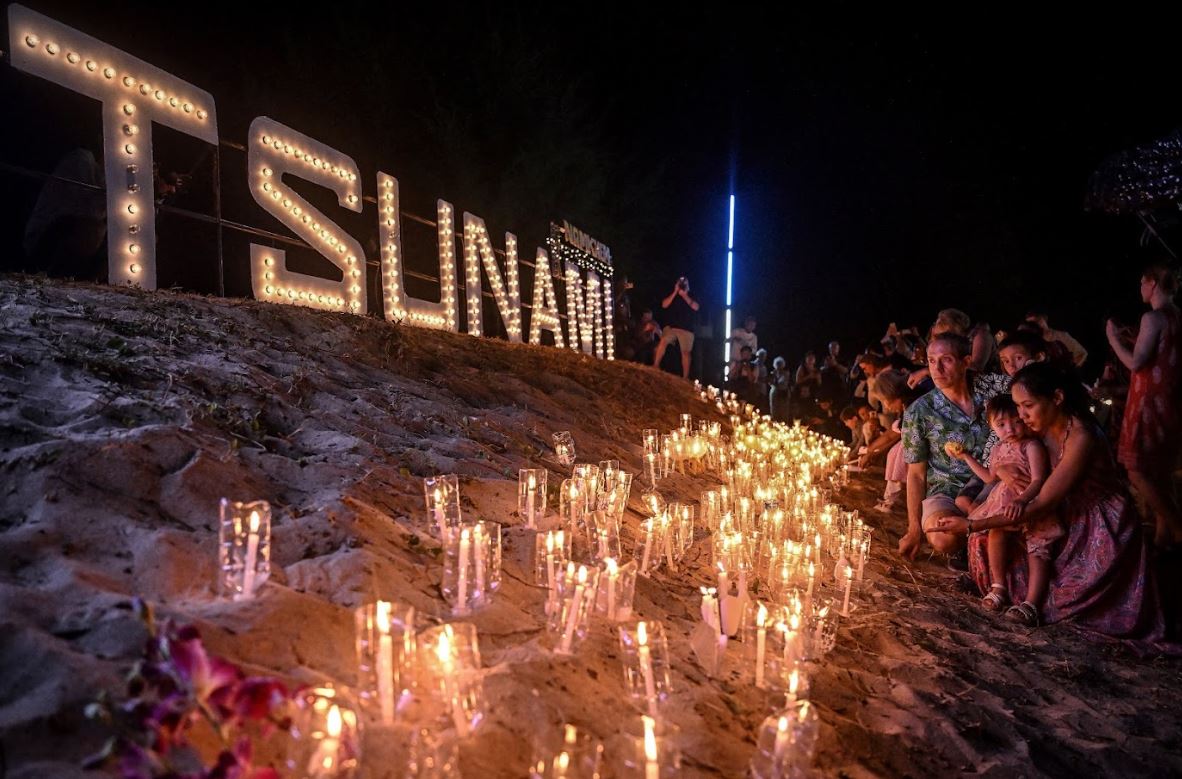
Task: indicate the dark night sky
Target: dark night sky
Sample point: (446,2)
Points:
(884,167)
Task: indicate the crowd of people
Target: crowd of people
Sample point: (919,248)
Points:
(1001,455)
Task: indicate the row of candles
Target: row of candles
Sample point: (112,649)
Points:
(773,532)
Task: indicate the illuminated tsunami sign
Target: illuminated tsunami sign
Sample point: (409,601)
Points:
(134,94)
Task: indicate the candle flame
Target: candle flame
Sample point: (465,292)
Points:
(533,483)
(334,722)
(761,616)
(443,648)
(572,734)
(612,567)
(550,542)
(650,739)
(254,521)
(382,615)
(641,633)
(782,725)
(793,681)
(582,574)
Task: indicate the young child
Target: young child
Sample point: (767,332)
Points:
(1016,447)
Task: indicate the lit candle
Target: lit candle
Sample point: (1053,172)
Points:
(817,634)
(862,558)
(760,645)
(613,572)
(531,488)
(667,532)
(573,495)
(385,662)
(551,595)
(793,685)
(849,582)
(812,578)
(440,519)
(782,739)
(651,461)
(572,617)
(479,548)
(443,652)
(791,641)
(652,769)
(462,583)
(252,555)
(648,546)
(646,668)
(324,760)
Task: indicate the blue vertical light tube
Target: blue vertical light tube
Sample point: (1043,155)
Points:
(730,271)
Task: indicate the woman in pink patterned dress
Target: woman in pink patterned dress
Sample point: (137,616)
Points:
(1101,576)
(1152,431)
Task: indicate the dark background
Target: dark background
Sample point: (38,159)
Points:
(884,166)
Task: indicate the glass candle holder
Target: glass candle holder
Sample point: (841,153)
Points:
(617,587)
(471,566)
(647,549)
(821,630)
(451,671)
(572,503)
(442,494)
(709,510)
(687,424)
(609,470)
(386,645)
(684,520)
(325,735)
(647,749)
(605,537)
(564,448)
(615,502)
(785,743)
(569,753)
(652,440)
(422,750)
(531,495)
(244,548)
(652,468)
(569,622)
(645,659)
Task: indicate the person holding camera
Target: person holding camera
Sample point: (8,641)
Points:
(679,324)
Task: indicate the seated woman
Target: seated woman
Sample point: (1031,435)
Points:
(1101,579)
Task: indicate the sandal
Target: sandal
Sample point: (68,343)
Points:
(997,597)
(1025,613)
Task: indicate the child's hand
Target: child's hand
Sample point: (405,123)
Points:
(1014,512)
(954,449)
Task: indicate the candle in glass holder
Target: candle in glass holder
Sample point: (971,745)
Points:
(760,645)
(613,576)
(564,448)
(244,547)
(652,768)
(648,545)
(386,655)
(849,581)
(442,495)
(531,495)
(646,668)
